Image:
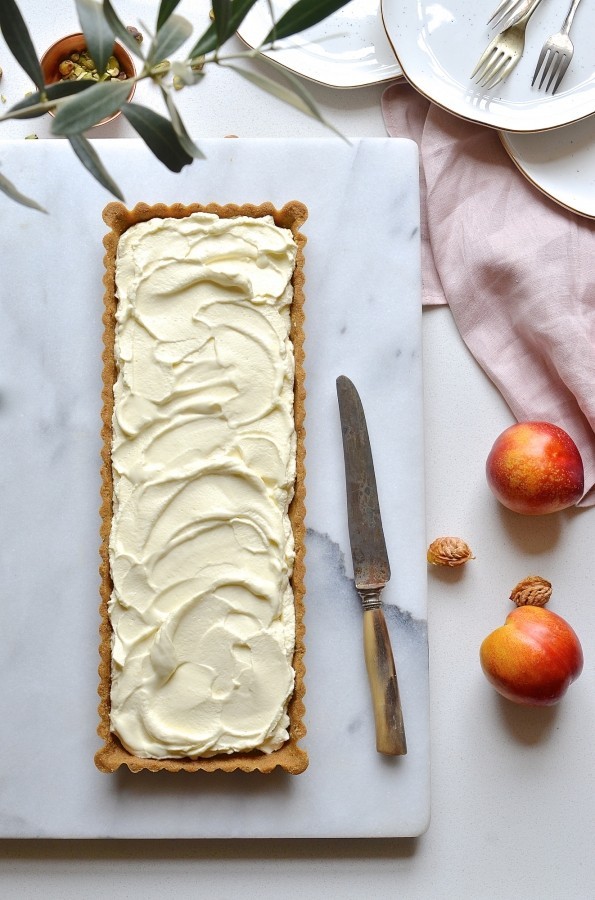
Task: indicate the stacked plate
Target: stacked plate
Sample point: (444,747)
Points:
(435,46)
(348,49)
(549,137)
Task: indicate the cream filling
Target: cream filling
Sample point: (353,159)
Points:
(203,456)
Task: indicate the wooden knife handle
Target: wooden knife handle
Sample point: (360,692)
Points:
(388,715)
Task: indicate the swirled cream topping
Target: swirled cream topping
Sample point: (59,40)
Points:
(201,546)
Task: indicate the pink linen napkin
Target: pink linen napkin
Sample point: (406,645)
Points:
(517,270)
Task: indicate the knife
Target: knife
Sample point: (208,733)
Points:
(371,569)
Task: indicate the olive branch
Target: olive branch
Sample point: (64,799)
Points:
(78,105)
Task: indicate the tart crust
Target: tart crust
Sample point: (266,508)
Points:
(290,757)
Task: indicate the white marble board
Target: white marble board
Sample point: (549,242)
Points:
(363,320)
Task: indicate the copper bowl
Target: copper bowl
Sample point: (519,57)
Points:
(75,43)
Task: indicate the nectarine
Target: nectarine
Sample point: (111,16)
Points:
(535,468)
(533,658)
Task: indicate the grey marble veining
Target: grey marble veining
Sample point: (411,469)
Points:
(363,320)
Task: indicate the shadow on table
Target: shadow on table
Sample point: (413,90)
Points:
(196,849)
(535,535)
(529,725)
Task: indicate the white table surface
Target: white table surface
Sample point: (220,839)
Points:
(513,797)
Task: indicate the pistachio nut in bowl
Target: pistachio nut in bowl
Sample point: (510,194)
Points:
(68,60)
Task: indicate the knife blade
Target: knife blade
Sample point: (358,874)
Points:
(371,569)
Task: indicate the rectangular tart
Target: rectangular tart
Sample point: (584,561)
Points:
(202,516)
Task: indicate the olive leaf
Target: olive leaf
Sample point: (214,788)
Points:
(222,14)
(166,8)
(8,188)
(159,135)
(302,15)
(86,109)
(78,106)
(119,29)
(214,37)
(176,120)
(16,35)
(169,38)
(91,161)
(98,34)
(40,102)
(295,95)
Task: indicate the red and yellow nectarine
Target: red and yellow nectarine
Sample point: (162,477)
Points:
(533,658)
(535,468)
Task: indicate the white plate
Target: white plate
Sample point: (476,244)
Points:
(560,163)
(438,45)
(346,50)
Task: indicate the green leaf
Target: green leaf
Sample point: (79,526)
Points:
(30,111)
(91,161)
(120,30)
(169,38)
(302,15)
(159,135)
(222,13)
(166,8)
(8,188)
(296,95)
(81,112)
(180,129)
(206,43)
(19,40)
(214,38)
(40,102)
(98,34)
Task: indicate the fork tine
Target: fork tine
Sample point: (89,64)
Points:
(564,63)
(507,12)
(504,9)
(557,61)
(560,77)
(485,72)
(498,72)
(492,69)
(549,65)
(542,56)
(482,62)
(505,71)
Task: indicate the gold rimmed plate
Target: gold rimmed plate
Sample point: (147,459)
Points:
(560,163)
(348,49)
(437,47)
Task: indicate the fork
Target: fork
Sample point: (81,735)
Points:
(509,12)
(556,53)
(503,53)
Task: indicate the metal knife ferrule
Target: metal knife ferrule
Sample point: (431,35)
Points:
(371,598)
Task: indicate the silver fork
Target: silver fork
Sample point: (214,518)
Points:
(503,53)
(509,12)
(556,53)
